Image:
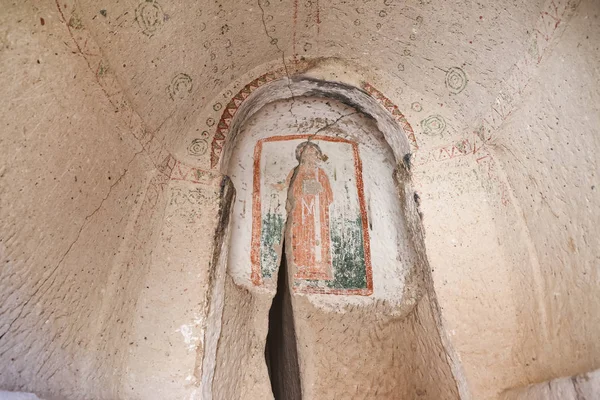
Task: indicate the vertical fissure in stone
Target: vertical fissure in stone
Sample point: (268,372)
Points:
(281,354)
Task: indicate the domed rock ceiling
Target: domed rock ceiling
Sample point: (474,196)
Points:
(130,131)
(175,62)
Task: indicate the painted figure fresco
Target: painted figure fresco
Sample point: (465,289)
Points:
(311,191)
(311,197)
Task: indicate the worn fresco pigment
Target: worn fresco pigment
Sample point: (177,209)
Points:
(328,241)
(271,238)
(310,201)
(348,257)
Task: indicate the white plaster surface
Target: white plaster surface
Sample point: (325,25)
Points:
(391,254)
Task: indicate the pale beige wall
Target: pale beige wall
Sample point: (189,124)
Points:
(475,268)
(549,151)
(513,254)
(490,234)
(170,322)
(578,387)
(73,185)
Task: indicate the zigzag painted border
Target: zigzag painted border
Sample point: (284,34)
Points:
(234,104)
(231,109)
(395,111)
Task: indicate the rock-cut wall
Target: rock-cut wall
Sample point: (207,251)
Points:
(78,201)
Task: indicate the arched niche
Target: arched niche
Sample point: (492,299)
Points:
(302,86)
(364,321)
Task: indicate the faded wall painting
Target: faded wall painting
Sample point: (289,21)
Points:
(309,190)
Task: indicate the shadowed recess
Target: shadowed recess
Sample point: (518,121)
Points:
(281,354)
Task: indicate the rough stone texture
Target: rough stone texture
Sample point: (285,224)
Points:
(460,217)
(73,185)
(579,387)
(241,371)
(174,297)
(113,108)
(408,45)
(363,353)
(549,151)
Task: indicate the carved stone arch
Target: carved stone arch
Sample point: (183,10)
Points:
(408,322)
(367,99)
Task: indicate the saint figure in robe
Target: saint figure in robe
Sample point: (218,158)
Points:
(310,198)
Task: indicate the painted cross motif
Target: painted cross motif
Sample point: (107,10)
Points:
(311,192)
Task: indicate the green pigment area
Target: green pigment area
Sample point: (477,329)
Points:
(347,251)
(348,255)
(271,238)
